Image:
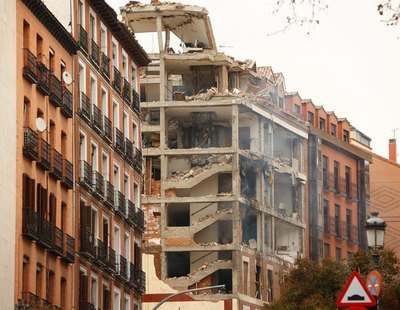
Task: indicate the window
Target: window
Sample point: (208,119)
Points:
(310,117)
(134,134)
(105,167)
(325,171)
(39,279)
(336,176)
(346,136)
(281,103)
(94,156)
(92,25)
(106,297)
(81,13)
(94,291)
(296,109)
(51,60)
(126,303)
(326,216)
(333,130)
(116,177)
(338,252)
(133,80)
(106,231)
(322,124)
(126,186)
(348,181)
(27,108)
(117,240)
(103,39)
(136,195)
(115,115)
(117,300)
(94,227)
(63,293)
(81,78)
(93,90)
(327,250)
(124,65)
(114,54)
(337,219)
(104,102)
(82,146)
(348,224)
(125,124)
(26,30)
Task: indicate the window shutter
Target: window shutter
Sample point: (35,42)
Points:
(53,209)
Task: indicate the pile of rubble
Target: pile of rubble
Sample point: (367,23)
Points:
(223,211)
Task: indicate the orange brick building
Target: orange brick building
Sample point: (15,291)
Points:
(337,180)
(385,194)
(44,223)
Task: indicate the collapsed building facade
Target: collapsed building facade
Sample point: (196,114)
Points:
(224,167)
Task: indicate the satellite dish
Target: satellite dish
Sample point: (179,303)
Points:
(67,77)
(40,124)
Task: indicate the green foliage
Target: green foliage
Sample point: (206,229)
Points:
(310,286)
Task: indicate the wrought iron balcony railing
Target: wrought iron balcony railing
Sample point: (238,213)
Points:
(139,220)
(83,39)
(129,150)
(111,261)
(66,106)
(30,223)
(31,147)
(130,214)
(57,241)
(101,253)
(84,107)
(107,129)
(87,244)
(30,66)
(119,141)
(85,175)
(97,119)
(67,178)
(69,249)
(137,160)
(117,80)
(44,159)
(105,66)
(43,83)
(126,91)
(55,91)
(122,270)
(135,102)
(119,204)
(98,185)
(95,53)
(109,195)
(45,233)
(85,305)
(56,164)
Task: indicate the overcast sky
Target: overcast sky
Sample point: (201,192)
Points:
(349,63)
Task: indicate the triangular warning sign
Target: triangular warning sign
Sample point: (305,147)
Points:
(355,293)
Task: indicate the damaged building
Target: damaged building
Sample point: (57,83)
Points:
(224,167)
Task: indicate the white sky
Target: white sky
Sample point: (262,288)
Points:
(349,63)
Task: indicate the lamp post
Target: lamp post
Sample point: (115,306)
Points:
(221,286)
(375,229)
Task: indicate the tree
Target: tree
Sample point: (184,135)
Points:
(301,12)
(311,285)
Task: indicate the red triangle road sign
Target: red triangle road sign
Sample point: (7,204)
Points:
(355,293)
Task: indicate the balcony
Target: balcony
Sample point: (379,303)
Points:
(135,102)
(55,91)
(101,253)
(119,141)
(45,233)
(56,164)
(87,244)
(44,158)
(137,279)
(29,70)
(117,80)
(107,129)
(84,107)
(30,148)
(105,66)
(111,261)
(129,151)
(83,39)
(85,175)
(126,91)
(95,53)
(57,241)
(97,119)
(119,204)
(30,224)
(139,220)
(69,249)
(67,178)
(31,301)
(137,160)
(85,305)
(43,83)
(66,106)
(109,195)
(98,185)
(352,234)
(130,215)
(122,271)
(351,191)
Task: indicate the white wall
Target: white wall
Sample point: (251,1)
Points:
(8,145)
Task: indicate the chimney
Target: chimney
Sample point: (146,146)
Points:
(392,150)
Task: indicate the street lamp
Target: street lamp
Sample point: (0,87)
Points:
(375,229)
